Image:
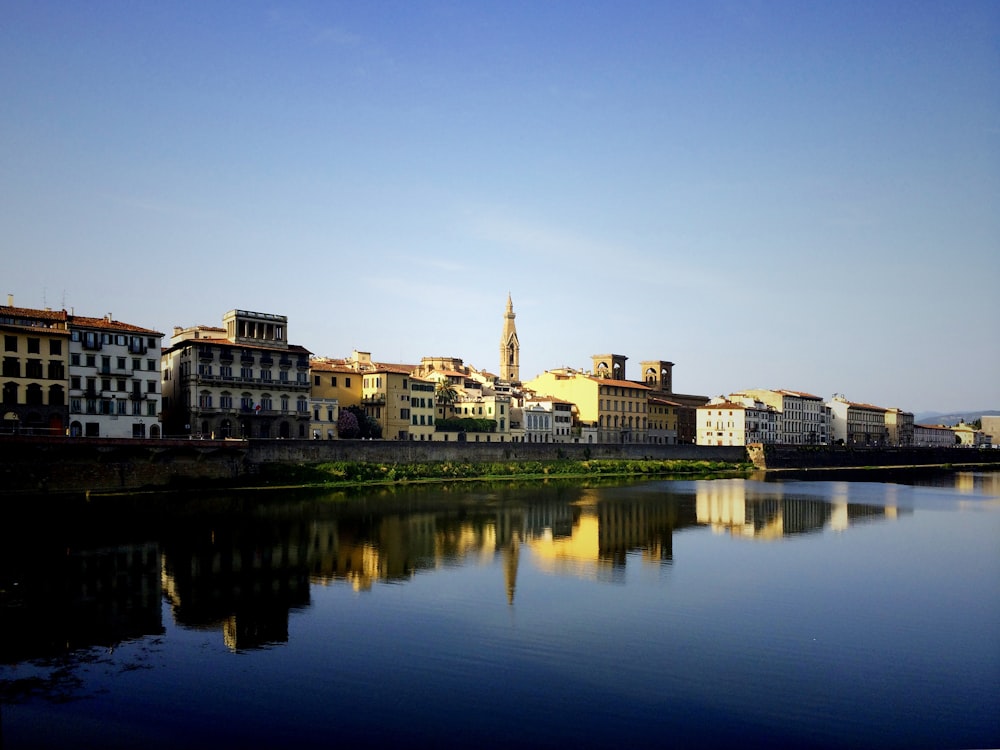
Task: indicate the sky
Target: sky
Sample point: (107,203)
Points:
(768,194)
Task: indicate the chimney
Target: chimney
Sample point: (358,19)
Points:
(10,300)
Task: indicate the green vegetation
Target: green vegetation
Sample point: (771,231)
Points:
(361,472)
(465,424)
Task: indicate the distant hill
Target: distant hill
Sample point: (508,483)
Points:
(953,418)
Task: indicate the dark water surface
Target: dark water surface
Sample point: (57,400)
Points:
(686,614)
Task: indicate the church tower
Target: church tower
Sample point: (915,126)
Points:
(510,348)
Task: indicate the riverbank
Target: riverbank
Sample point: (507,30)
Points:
(356,473)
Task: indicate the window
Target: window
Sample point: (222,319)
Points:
(333,381)
(136,363)
(34,346)
(347,382)
(226,401)
(316,382)
(150,364)
(10,343)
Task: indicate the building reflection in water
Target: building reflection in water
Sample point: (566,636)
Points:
(741,510)
(80,599)
(243,574)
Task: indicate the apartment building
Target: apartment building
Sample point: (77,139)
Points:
(662,420)
(616,409)
(736,420)
(933,436)
(802,416)
(34,370)
(857,424)
(114,379)
(243,380)
(899,427)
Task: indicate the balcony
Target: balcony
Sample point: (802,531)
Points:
(375,399)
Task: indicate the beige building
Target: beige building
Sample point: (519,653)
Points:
(802,416)
(737,420)
(969,436)
(857,424)
(662,419)
(243,380)
(36,345)
(899,427)
(933,436)
(991,428)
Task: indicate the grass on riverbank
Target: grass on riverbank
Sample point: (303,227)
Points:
(338,473)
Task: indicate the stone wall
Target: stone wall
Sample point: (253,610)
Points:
(828,457)
(29,465)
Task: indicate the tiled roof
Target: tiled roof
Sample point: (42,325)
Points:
(104,324)
(27,312)
(619,383)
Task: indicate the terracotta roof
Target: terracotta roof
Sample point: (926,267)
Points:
(619,383)
(658,400)
(27,312)
(79,321)
(800,394)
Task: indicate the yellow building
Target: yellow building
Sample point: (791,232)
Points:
(662,420)
(618,409)
(35,370)
(899,426)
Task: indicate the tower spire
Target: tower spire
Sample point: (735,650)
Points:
(510,348)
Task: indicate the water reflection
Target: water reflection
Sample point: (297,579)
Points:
(744,510)
(242,573)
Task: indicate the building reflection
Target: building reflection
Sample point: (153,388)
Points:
(243,580)
(80,599)
(243,574)
(738,509)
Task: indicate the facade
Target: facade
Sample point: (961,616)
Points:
(114,379)
(335,386)
(933,436)
(385,396)
(991,428)
(35,370)
(510,347)
(803,416)
(738,420)
(547,420)
(658,376)
(66,374)
(422,408)
(899,427)
(857,424)
(662,420)
(969,436)
(616,409)
(243,380)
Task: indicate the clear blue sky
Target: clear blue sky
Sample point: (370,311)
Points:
(770,194)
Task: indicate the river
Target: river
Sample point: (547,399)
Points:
(689,613)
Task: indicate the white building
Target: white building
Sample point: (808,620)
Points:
(114,379)
(857,424)
(737,420)
(803,417)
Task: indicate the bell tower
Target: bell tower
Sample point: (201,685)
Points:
(510,348)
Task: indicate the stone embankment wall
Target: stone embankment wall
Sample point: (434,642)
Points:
(30,465)
(837,457)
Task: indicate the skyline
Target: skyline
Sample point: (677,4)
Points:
(747,191)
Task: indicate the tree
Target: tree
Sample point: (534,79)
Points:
(446,394)
(347,425)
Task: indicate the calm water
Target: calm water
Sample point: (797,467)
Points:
(687,614)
